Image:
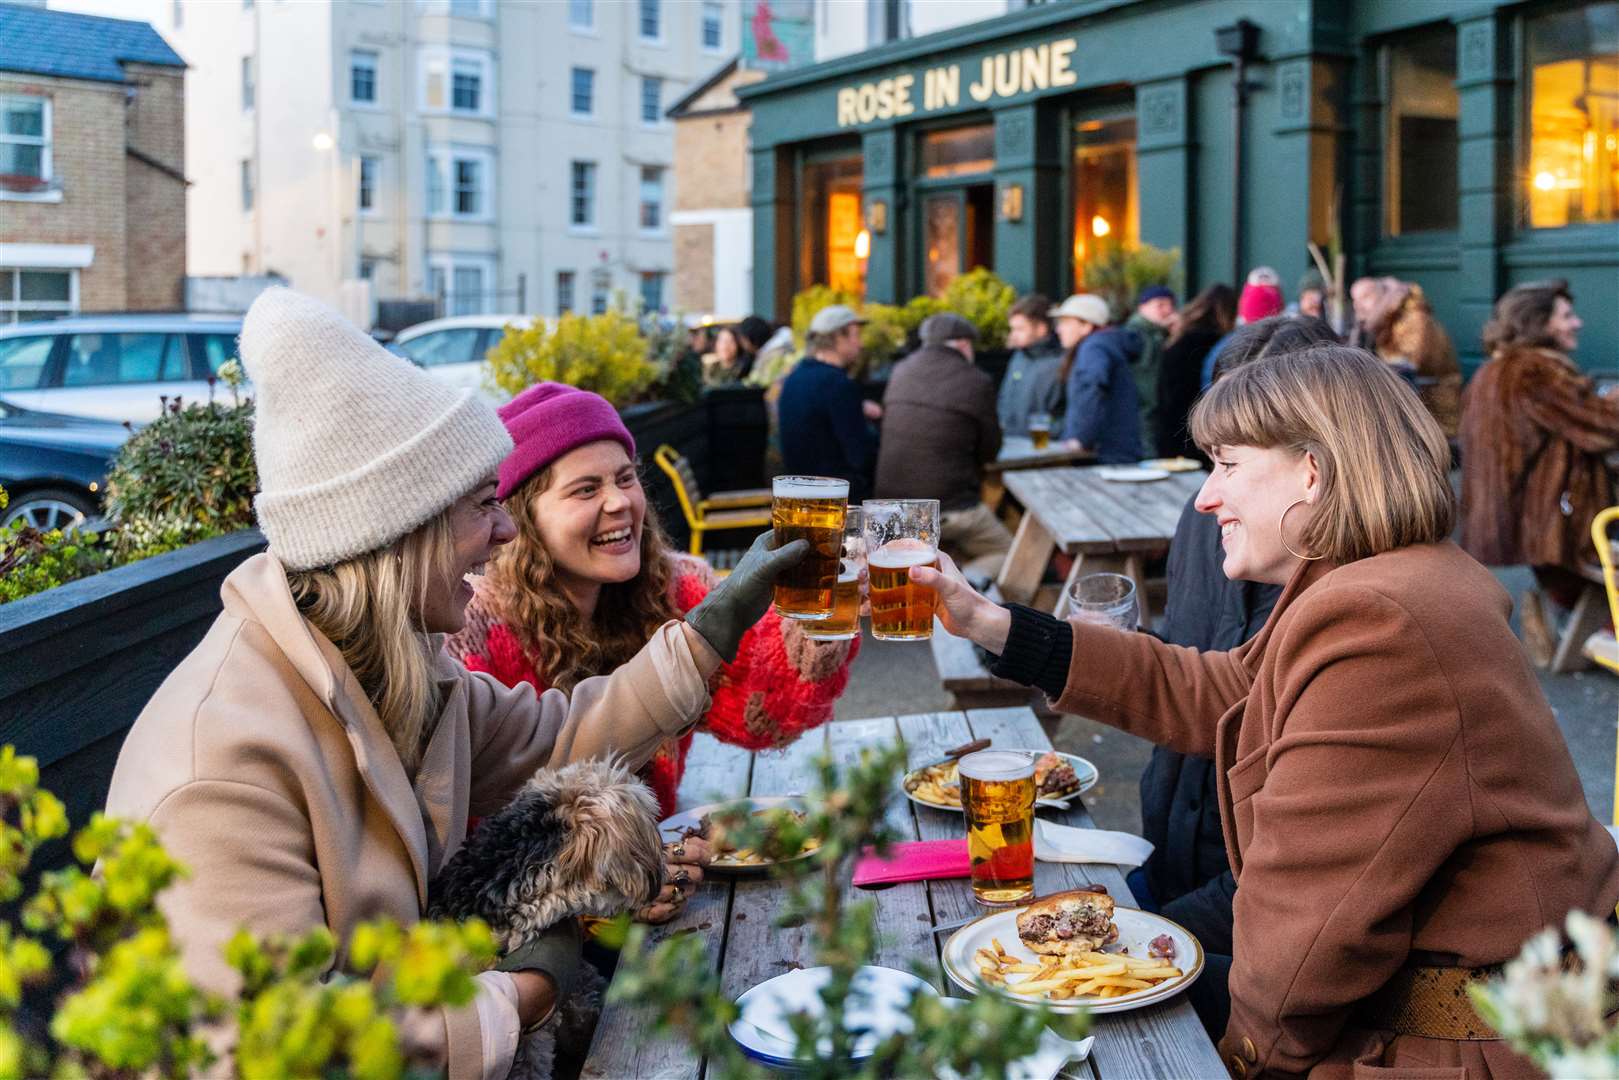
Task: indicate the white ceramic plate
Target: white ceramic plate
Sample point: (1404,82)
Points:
(672,828)
(1130,474)
(763,1029)
(1136,929)
(1173,464)
(1087,773)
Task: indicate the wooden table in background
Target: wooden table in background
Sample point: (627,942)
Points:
(1103,525)
(736,916)
(1017,453)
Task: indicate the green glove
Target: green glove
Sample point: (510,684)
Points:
(741,599)
(555,952)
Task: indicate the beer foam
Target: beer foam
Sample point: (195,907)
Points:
(996,765)
(808,487)
(899,554)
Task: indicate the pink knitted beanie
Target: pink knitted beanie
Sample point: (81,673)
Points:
(548,420)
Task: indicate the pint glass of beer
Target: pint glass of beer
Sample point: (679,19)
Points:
(809,508)
(900,534)
(997,796)
(845,621)
(1040,430)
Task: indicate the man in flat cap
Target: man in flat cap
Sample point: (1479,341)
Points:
(939,430)
(824,424)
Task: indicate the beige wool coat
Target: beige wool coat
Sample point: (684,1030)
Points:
(1394,791)
(265,770)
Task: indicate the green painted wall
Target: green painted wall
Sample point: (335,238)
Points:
(1316,91)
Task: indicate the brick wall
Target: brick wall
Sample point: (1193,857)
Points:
(694,268)
(156,236)
(133,214)
(711,161)
(87,158)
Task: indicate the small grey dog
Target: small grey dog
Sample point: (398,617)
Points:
(578,840)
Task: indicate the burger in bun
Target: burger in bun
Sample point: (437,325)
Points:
(1068,923)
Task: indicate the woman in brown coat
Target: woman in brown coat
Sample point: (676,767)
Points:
(1534,438)
(1399,806)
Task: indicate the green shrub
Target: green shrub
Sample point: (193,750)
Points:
(32,561)
(881,339)
(985,299)
(1118,274)
(678,372)
(187,476)
(602,353)
(133,1011)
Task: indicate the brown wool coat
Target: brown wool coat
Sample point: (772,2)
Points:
(1534,433)
(265,770)
(1394,790)
(939,429)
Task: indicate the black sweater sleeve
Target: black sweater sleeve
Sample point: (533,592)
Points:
(1038,648)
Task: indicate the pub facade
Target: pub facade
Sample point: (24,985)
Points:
(1467,145)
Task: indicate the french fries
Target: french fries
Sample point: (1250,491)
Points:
(1089,975)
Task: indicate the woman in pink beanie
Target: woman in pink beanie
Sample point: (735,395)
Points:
(591,575)
(1261,296)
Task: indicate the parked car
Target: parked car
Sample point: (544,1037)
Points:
(54,467)
(453,349)
(113,367)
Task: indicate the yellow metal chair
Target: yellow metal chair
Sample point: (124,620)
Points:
(722,510)
(1605,554)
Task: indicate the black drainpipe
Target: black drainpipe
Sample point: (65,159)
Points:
(1239,41)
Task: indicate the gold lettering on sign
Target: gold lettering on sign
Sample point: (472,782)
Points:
(1004,74)
(1036,68)
(903,106)
(1062,56)
(985,86)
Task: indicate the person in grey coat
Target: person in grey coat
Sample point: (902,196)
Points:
(1033,380)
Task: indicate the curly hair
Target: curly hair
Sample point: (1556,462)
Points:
(525,596)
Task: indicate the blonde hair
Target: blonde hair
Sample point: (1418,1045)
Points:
(523,594)
(369,607)
(1384,462)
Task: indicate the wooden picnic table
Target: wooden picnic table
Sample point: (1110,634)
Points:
(1018,452)
(736,916)
(1103,525)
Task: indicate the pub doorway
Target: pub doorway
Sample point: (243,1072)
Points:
(956,194)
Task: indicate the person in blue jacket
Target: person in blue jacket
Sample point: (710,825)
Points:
(1103,414)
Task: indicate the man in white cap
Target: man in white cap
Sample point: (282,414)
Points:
(1102,414)
(824,429)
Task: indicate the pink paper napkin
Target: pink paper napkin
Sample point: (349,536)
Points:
(922,860)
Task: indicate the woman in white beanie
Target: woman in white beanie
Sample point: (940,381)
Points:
(315,759)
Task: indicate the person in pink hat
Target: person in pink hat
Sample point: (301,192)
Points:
(591,575)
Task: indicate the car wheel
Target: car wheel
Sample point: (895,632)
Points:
(49,508)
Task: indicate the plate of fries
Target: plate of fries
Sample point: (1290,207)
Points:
(936,785)
(1125,974)
(700,822)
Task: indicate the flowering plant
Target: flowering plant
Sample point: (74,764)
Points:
(1554,1009)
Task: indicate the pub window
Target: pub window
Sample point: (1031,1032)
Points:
(1420,191)
(1103,190)
(829,225)
(1573,58)
(959,151)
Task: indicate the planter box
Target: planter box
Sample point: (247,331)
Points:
(80,661)
(738,435)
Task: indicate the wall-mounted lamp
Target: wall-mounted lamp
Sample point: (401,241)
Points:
(877,217)
(862,245)
(1012,202)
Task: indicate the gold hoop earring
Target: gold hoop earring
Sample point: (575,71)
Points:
(1281,532)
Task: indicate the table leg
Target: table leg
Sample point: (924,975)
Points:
(1135,568)
(1032,547)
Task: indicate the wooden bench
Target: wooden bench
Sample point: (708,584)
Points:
(1590,614)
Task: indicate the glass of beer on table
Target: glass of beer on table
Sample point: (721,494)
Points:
(997,797)
(900,534)
(845,621)
(1040,430)
(809,508)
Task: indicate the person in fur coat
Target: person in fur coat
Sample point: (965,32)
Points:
(1402,331)
(590,574)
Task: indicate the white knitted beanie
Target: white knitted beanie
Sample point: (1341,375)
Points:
(355,446)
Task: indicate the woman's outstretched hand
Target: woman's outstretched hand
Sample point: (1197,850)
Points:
(962,610)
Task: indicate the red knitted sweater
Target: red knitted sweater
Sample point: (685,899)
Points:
(780,685)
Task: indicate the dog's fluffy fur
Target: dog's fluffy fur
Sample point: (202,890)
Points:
(579,840)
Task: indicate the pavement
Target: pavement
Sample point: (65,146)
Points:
(898,678)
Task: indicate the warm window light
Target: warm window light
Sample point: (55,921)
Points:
(322,141)
(862,244)
(1545,181)
(1099,226)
